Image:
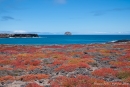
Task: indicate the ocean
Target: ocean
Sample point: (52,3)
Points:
(64,39)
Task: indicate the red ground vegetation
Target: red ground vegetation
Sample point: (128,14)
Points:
(93,65)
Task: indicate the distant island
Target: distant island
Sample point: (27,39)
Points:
(18,35)
(68,33)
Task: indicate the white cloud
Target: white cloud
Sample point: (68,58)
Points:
(101,32)
(119,32)
(19,31)
(60,1)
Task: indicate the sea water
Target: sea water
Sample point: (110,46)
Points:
(64,39)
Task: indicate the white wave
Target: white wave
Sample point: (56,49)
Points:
(113,41)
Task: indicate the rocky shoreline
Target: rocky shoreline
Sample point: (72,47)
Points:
(17,35)
(92,65)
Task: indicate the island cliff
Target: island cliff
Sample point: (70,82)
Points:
(18,35)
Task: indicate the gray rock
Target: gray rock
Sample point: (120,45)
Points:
(2,86)
(114,67)
(46,70)
(47,86)
(41,81)
(82,71)
(47,61)
(16,72)
(3,72)
(22,85)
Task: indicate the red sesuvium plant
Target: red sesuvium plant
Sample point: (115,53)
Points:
(79,61)
(103,72)
(24,62)
(78,81)
(127,80)
(26,59)
(33,85)
(105,59)
(126,57)
(120,64)
(7,78)
(72,63)
(5,62)
(87,56)
(71,67)
(106,52)
(123,46)
(58,62)
(31,67)
(32,77)
(35,62)
(66,67)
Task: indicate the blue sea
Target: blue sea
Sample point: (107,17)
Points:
(64,39)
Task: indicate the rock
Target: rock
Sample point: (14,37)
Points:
(41,81)
(46,70)
(76,56)
(47,61)
(94,64)
(3,72)
(22,86)
(108,78)
(2,83)
(47,86)
(85,53)
(15,72)
(114,67)
(68,33)
(125,40)
(2,86)
(90,69)
(36,71)
(17,84)
(82,71)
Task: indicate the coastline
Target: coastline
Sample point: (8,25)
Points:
(44,65)
(63,39)
(18,35)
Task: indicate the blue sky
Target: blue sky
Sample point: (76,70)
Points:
(59,16)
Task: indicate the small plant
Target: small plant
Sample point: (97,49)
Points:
(78,81)
(7,78)
(32,77)
(33,85)
(127,80)
(104,72)
(123,74)
(68,68)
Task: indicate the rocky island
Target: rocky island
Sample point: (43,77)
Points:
(18,35)
(68,33)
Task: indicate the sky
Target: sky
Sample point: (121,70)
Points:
(59,16)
